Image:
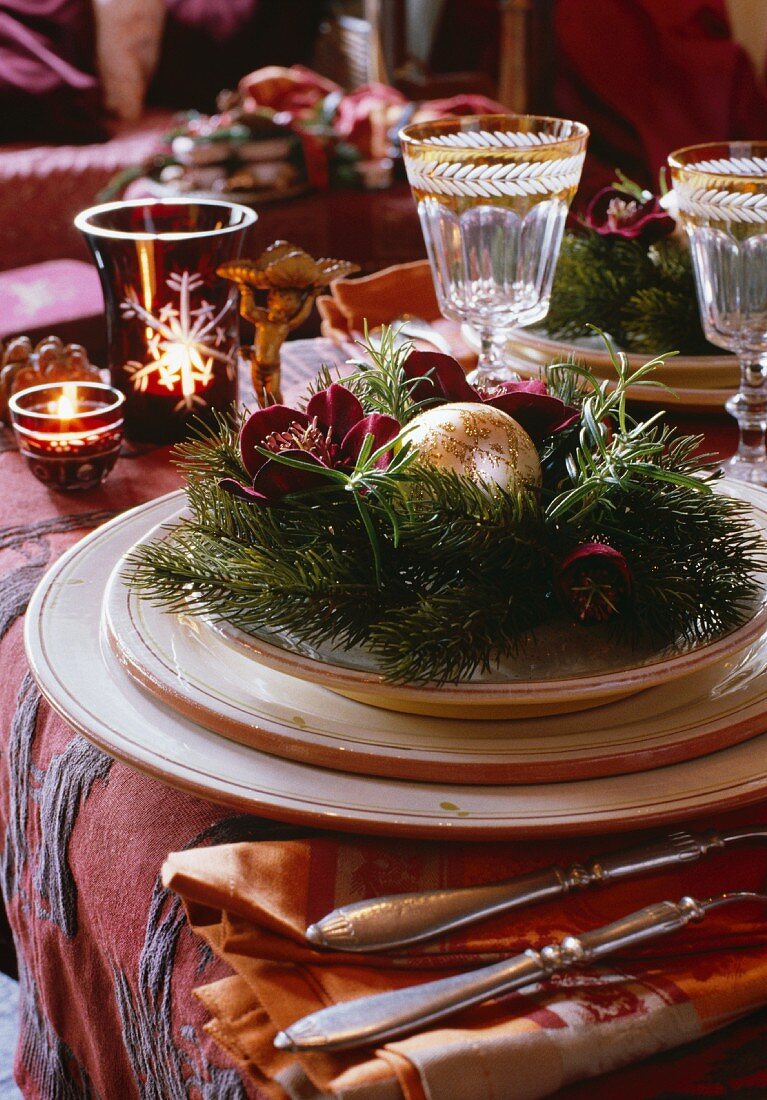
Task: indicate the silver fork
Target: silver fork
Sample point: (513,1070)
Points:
(396,920)
(383,1016)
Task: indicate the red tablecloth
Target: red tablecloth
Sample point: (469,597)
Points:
(106,961)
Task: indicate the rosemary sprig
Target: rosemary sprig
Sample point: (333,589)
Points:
(380,382)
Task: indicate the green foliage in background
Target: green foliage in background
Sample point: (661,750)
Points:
(644,298)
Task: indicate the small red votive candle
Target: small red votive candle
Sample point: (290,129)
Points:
(69,432)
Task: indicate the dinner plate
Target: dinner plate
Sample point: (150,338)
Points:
(695,382)
(91,690)
(706,372)
(188,666)
(565,668)
(520,688)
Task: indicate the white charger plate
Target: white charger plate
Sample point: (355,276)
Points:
(90,689)
(192,669)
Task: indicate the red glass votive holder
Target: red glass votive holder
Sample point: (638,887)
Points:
(172,321)
(69,432)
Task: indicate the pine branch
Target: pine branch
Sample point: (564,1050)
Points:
(644,298)
(493,625)
(684,590)
(654,318)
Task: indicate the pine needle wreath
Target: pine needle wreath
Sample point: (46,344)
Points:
(440,577)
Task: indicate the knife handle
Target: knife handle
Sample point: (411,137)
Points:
(397,920)
(382,1016)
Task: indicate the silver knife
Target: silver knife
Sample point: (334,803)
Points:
(396,920)
(383,1016)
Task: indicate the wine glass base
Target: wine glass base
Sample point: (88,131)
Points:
(488,377)
(751,470)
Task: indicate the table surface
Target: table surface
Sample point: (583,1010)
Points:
(105,959)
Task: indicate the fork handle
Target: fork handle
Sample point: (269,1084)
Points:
(397,920)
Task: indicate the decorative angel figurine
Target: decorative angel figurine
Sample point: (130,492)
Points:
(287,281)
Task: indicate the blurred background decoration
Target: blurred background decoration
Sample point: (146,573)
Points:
(93,91)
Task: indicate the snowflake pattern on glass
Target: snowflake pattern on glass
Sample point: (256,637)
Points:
(183,342)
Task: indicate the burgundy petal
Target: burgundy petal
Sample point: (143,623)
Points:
(595,215)
(446,380)
(336,408)
(259,426)
(275,479)
(539,414)
(594,551)
(244,492)
(528,385)
(382,428)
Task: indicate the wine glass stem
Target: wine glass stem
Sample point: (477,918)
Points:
(749,407)
(488,351)
(492,367)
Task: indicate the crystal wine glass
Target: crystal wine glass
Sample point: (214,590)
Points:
(493,193)
(721,190)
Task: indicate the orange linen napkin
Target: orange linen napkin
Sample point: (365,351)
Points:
(252,902)
(399,291)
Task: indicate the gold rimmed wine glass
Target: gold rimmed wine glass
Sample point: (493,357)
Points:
(721,190)
(493,193)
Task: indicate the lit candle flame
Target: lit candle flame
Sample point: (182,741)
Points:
(65,406)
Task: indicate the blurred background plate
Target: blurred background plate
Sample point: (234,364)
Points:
(247,198)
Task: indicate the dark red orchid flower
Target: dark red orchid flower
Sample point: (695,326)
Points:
(614,213)
(593,581)
(529,402)
(329,435)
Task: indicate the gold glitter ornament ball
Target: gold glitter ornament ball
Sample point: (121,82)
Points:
(478,442)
